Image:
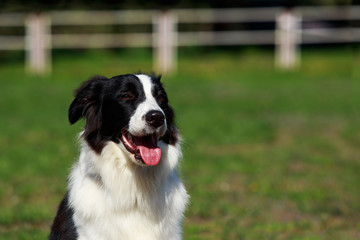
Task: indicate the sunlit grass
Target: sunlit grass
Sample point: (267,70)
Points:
(268,154)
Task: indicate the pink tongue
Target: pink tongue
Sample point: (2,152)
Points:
(151,156)
(149,151)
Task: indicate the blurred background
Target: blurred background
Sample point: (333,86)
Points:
(266,95)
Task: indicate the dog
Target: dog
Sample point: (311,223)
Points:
(125,184)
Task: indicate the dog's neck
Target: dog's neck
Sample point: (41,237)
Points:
(139,184)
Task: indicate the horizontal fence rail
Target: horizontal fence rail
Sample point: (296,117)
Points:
(233,15)
(307,27)
(223,38)
(12,19)
(102,17)
(101,40)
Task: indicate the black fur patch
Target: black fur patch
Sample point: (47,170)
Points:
(63,227)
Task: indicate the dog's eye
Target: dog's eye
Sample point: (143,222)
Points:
(127,96)
(161,97)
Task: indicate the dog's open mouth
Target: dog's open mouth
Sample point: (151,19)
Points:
(144,148)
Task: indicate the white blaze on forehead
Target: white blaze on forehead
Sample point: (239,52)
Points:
(150,101)
(137,124)
(147,85)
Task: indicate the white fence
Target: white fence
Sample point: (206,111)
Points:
(165,38)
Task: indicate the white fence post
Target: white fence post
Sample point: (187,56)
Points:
(38,43)
(165,42)
(287,39)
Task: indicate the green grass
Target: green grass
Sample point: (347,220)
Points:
(268,154)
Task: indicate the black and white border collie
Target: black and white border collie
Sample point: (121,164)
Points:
(125,183)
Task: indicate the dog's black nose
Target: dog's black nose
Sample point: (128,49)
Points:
(155,118)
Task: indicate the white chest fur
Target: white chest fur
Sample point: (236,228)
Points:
(113,198)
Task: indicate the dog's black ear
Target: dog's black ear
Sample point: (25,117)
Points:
(157,77)
(86,98)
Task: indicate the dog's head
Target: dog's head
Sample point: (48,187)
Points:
(130,110)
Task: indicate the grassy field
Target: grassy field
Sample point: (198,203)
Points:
(268,154)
